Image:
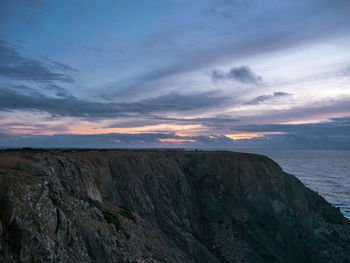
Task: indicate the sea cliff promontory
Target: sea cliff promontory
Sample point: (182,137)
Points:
(161,206)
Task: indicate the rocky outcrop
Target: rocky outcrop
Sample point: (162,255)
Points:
(161,206)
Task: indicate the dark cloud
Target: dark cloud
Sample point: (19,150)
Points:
(178,102)
(217,13)
(210,12)
(58,91)
(325,127)
(259,99)
(312,111)
(65,104)
(113,140)
(21,41)
(234,3)
(117,140)
(60,66)
(226,15)
(242,74)
(14,66)
(94,49)
(345,72)
(216,122)
(281,94)
(334,134)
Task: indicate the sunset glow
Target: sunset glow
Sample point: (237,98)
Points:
(244,136)
(176,140)
(211,74)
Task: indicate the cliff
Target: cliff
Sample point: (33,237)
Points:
(161,206)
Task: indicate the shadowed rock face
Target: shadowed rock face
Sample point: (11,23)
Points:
(161,206)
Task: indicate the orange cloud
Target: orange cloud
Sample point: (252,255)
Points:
(176,140)
(247,136)
(242,136)
(143,129)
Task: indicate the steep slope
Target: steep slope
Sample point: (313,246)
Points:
(161,206)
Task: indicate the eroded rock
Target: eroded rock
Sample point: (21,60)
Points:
(161,206)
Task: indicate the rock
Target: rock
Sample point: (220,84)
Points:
(161,206)
(97,213)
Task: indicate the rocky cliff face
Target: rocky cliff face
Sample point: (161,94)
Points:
(161,206)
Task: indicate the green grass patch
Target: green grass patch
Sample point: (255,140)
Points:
(111,218)
(127,214)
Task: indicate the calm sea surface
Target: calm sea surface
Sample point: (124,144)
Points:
(327,172)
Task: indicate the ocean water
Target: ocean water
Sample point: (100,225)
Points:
(327,172)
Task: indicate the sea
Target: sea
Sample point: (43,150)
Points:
(324,171)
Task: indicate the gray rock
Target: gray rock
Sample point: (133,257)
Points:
(161,206)
(97,213)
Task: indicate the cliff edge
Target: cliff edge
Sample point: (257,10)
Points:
(161,206)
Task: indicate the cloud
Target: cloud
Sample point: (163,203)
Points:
(178,102)
(345,72)
(58,91)
(60,66)
(334,134)
(65,104)
(117,140)
(157,110)
(215,122)
(21,41)
(259,99)
(324,127)
(241,74)
(113,140)
(251,34)
(214,12)
(14,66)
(311,111)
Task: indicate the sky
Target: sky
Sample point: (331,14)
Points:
(175,73)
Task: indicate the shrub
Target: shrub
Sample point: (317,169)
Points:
(127,214)
(111,218)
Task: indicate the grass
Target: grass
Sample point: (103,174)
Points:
(127,214)
(111,218)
